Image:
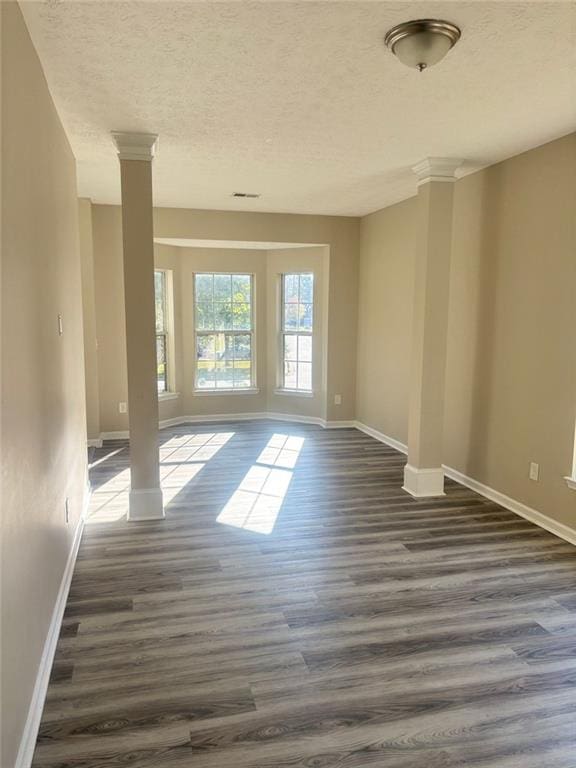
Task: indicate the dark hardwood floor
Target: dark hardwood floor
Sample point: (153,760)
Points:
(298,609)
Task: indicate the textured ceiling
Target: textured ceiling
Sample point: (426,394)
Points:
(299,101)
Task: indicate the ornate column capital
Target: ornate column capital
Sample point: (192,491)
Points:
(135,146)
(436,169)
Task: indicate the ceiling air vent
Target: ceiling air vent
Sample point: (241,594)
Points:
(245,194)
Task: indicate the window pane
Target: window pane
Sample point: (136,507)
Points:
(290,289)
(241,288)
(241,317)
(290,377)
(290,347)
(291,317)
(203,287)
(228,353)
(242,344)
(305,317)
(305,348)
(224,375)
(304,375)
(205,347)
(219,346)
(204,316)
(242,373)
(205,374)
(161,371)
(222,287)
(160,296)
(223,305)
(222,316)
(307,288)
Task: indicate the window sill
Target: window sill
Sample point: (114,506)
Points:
(168,396)
(246,391)
(294,392)
(571,482)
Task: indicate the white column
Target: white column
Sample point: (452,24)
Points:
(136,151)
(423,474)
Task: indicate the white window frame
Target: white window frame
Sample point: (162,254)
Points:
(168,393)
(252,389)
(282,389)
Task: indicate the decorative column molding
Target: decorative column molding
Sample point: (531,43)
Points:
(135,151)
(135,146)
(423,474)
(441,169)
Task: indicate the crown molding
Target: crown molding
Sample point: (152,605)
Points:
(135,146)
(436,169)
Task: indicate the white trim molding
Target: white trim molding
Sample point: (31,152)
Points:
(293,392)
(441,169)
(30,732)
(94,442)
(237,391)
(135,146)
(571,482)
(424,482)
(163,396)
(145,504)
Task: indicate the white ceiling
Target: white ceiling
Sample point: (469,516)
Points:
(299,101)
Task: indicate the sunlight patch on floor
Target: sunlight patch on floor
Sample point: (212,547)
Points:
(255,505)
(181,458)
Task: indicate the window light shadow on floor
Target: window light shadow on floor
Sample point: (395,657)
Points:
(181,458)
(255,505)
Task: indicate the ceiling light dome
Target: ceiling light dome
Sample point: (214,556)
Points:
(422,43)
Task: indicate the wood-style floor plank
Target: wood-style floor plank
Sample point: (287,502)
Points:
(297,609)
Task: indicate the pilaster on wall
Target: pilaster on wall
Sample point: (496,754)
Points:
(423,475)
(89,320)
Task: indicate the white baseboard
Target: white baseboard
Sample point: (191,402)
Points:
(94,442)
(538,518)
(119,435)
(30,732)
(381,437)
(245,416)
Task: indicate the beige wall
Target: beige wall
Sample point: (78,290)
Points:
(43,412)
(511,369)
(338,296)
(386,290)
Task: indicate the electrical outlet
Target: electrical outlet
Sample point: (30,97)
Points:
(534,471)
(67,509)
(337,399)
(123,407)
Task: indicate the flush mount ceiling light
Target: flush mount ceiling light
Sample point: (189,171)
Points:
(422,43)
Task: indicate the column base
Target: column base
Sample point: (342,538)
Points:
(423,482)
(146,504)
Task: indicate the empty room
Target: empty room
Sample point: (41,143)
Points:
(288,399)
